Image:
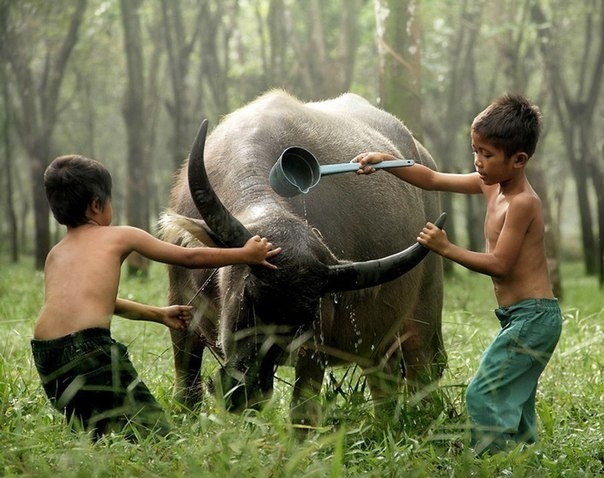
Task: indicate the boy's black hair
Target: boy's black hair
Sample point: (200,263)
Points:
(510,123)
(72,183)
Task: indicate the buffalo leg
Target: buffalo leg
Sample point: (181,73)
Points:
(423,350)
(246,379)
(384,385)
(306,406)
(188,351)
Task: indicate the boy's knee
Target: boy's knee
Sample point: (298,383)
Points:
(481,404)
(475,401)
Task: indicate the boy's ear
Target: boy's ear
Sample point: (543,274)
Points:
(520,159)
(95,205)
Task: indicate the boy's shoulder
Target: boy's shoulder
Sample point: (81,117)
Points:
(526,199)
(526,206)
(89,235)
(518,192)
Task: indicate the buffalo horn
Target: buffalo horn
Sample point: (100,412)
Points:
(218,218)
(360,275)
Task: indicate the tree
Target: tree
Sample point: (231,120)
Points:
(326,71)
(219,20)
(35,110)
(308,48)
(179,49)
(575,100)
(453,88)
(398,35)
(137,193)
(8,188)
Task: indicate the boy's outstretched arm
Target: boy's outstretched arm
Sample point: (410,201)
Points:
(173,316)
(503,257)
(422,176)
(256,251)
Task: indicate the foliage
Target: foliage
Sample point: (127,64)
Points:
(263,44)
(212,442)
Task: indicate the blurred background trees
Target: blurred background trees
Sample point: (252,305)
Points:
(128,81)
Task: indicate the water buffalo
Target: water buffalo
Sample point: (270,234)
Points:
(338,295)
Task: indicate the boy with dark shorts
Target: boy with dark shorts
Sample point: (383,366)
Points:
(501,397)
(85,373)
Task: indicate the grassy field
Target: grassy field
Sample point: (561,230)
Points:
(210,442)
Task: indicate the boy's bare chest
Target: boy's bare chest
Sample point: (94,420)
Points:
(497,208)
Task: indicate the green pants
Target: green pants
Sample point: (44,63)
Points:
(89,377)
(501,397)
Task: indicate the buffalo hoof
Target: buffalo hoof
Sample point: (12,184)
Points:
(235,395)
(189,396)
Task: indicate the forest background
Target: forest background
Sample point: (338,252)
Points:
(127,82)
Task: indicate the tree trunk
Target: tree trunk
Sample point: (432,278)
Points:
(11,213)
(323,46)
(552,237)
(137,193)
(458,105)
(598,180)
(398,35)
(179,50)
(218,25)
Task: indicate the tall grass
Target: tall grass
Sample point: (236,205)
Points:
(211,442)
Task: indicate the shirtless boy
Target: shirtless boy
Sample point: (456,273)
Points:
(85,373)
(501,397)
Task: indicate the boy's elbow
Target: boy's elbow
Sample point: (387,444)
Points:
(501,270)
(432,180)
(430,186)
(498,274)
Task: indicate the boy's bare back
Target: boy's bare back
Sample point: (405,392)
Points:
(82,274)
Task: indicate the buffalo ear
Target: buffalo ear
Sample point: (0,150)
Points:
(211,236)
(172,226)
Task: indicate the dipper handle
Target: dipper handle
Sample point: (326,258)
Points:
(328,169)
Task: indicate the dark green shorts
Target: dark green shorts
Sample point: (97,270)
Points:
(501,397)
(89,377)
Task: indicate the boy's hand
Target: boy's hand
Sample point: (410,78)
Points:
(433,238)
(259,250)
(176,316)
(365,161)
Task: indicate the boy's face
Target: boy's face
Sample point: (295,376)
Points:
(491,162)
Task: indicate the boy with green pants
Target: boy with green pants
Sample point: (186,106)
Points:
(501,397)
